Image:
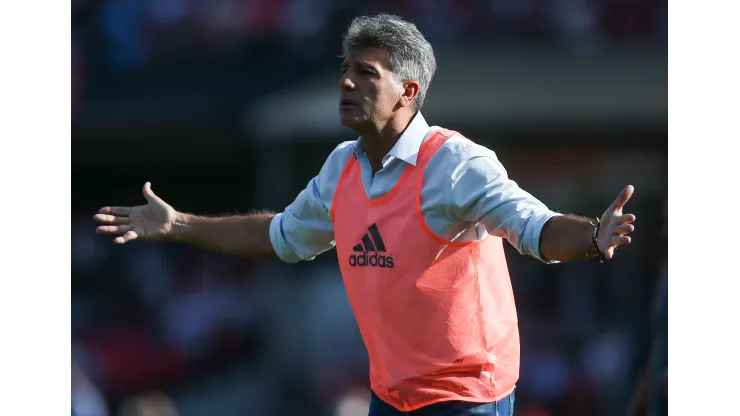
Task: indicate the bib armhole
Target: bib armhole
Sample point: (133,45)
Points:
(346,169)
(427,151)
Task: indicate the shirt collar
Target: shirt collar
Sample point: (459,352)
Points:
(408,145)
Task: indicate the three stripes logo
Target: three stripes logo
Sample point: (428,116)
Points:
(370,250)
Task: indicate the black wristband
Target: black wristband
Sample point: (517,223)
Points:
(594,240)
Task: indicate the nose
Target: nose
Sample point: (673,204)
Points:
(346,83)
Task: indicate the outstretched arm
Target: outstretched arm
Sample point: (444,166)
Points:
(301,232)
(571,237)
(243,235)
(481,192)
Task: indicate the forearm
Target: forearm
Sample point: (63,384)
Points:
(567,238)
(244,235)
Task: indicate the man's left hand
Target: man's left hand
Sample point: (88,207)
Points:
(615,225)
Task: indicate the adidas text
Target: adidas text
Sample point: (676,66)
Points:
(371,260)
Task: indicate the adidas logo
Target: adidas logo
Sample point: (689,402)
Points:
(371,242)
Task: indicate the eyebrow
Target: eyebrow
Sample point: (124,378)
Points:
(367,65)
(362,64)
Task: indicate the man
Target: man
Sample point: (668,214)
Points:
(417,215)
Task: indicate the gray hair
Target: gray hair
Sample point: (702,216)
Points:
(410,56)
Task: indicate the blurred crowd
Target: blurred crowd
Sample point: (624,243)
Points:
(142,32)
(124,37)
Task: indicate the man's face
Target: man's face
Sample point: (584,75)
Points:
(368,94)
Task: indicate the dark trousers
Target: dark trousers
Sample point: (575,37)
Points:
(503,407)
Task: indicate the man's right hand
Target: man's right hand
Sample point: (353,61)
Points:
(151,222)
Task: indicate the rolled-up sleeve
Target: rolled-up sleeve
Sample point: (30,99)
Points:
(305,230)
(481,192)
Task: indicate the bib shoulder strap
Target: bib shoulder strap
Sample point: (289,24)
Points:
(436,139)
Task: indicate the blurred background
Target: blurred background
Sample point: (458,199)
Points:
(231,105)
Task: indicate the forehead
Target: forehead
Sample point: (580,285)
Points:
(372,55)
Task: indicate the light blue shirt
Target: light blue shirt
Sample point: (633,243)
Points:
(465,195)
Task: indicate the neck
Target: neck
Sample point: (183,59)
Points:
(380,141)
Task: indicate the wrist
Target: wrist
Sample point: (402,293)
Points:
(181,227)
(594,248)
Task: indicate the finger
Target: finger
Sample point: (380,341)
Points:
(619,240)
(130,235)
(149,194)
(626,219)
(113,229)
(111,219)
(120,211)
(624,229)
(623,197)
(609,253)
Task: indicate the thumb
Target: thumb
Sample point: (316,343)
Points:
(623,197)
(149,194)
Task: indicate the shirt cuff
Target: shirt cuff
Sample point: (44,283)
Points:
(535,233)
(279,244)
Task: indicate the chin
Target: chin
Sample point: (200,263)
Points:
(350,122)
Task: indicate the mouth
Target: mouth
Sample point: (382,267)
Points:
(347,104)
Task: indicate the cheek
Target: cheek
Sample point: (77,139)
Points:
(371,98)
(391,93)
(384,96)
(378,97)
(372,93)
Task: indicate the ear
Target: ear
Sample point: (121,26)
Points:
(409,93)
